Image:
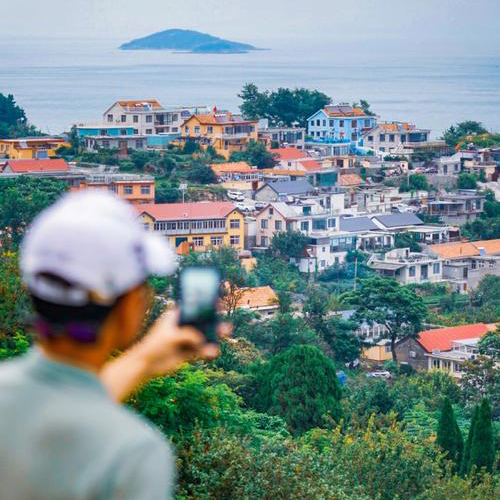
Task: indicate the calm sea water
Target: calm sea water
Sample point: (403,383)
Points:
(60,82)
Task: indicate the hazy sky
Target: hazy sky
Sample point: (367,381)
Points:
(471,25)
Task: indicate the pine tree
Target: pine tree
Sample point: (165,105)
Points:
(465,466)
(304,388)
(449,437)
(482,450)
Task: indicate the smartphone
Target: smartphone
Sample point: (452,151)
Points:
(199,294)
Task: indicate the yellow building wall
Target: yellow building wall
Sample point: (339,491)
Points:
(8,149)
(376,353)
(226,236)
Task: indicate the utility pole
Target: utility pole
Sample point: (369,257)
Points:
(183,188)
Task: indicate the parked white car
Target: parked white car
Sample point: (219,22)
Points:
(244,208)
(235,195)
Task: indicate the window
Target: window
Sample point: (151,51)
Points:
(263,241)
(318,123)
(145,189)
(234,223)
(264,224)
(436,363)
(234,240)
(391,137)
(436,268)
(319,224)
(337,260)
(304,226)
(271,211)
(278,225)
(110,118)
(403,138)
(332,222)
(123,131)
(355,124)
(412,271)
(413,354)
(136,131)
(387,348)
(382,149)
(210,130)
(341,123)
(149,131)
(135,118)
(324,123)
(446,364)
(322,263)
(123,118)
(331,123)
(128,189)
(146,226)
(175,129)
(370,138)
(198,241)
(216,241)
(186,129)
(103,132)
(382,137)
(139,144)
(149,118)
(197,129)
(105,144)
(367,123)
(354,136)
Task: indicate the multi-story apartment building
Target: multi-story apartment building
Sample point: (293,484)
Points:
(466,263)
(394,137)
(32,148)
(196,226)
(120,142)
(339,123)
(457,208)
(149,117)
(225,132)
(407,267)
(281,136)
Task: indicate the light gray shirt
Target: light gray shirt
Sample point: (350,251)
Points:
(63,438)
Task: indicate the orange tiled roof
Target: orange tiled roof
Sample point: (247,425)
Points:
(260,296)
(394,127)
(289,153)
(466,249)
(350,180)
(188,211)
(210,119)
(442,338)
(25,166)
(131,104)
(354,112)
(239,167)
(311,165)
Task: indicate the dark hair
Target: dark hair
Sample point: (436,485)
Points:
(81,323)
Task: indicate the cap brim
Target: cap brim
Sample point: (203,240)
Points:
(160,259)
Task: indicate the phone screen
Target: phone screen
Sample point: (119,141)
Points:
(200,288)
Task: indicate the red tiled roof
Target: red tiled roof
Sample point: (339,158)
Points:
(240,167)
(288,153)
(188,211)
(26,166)
(442,338)
(311,165)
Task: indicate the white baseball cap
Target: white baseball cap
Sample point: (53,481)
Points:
(95,241)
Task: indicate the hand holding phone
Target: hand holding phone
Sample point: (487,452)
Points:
(199,294)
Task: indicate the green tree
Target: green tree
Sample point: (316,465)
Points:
(386,302)
(191,147)
(449,437)
(489,345)
(200,173)
(464,466)
(407,240)
(13,120)
(414,182)
(288,245)
(304,388)
(282,107)
(482,449)
(256,155)
(165,192)
(466,181)
(455,133)
(365,106)
(21,199)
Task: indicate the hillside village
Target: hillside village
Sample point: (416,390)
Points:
(369,236)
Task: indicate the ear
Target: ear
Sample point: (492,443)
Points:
(128,316)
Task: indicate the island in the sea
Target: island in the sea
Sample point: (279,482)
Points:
(188,40)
